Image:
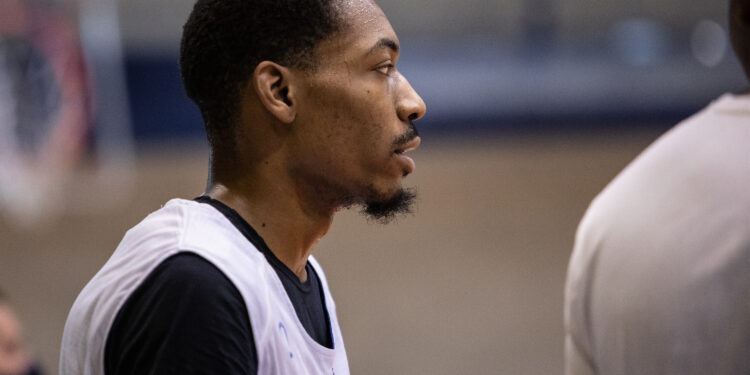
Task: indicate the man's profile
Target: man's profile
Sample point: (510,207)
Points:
(306,114)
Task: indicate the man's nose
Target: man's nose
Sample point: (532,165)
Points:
(410,105)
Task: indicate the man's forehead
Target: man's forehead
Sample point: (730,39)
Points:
(365,25)
(362,10)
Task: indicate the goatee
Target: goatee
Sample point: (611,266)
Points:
(385,210)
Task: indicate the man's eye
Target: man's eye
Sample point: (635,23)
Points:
(384,68)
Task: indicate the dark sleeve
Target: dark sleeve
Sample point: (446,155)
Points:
(185,318)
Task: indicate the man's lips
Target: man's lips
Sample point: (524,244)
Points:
(407,162)
(409,146)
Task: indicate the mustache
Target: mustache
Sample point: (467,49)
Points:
(411,133)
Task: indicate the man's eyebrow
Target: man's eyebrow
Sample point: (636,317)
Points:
(385,43)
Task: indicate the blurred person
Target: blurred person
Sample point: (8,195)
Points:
(15,356)
(306,114)
(659,279)
(45,107)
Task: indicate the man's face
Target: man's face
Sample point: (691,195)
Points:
(354,120)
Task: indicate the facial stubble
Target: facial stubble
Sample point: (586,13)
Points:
(385,209)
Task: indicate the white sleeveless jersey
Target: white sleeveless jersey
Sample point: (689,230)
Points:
(282,344)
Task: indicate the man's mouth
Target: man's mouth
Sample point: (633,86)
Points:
(407,162)
(409,146)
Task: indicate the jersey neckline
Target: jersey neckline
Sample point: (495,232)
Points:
(252,235)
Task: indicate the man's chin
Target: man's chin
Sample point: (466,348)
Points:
(385,209)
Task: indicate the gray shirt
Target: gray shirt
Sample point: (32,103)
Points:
(659,279)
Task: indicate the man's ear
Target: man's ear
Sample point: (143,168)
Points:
(273,85)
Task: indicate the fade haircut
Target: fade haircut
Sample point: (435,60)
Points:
(224,40)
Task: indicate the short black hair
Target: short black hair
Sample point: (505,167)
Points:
(224,40)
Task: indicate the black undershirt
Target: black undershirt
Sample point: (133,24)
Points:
(188,318)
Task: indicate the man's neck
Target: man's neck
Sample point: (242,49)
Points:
(276,213)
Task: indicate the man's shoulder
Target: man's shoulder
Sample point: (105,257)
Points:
(166,221)
(185,225)
(190,269)
(693,175)
(171,215)
(186,276)
(185,303)
(689,148)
